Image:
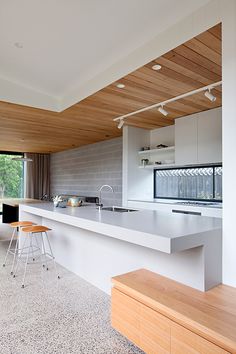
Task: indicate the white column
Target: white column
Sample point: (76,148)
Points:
(229,142)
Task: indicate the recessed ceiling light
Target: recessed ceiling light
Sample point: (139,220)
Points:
(156,67)
(18,45)
(120,86)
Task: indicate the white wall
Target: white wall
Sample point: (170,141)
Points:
(82,171)
(165,135)
(137,183)
(229,140)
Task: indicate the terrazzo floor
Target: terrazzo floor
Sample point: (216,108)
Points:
(53,316)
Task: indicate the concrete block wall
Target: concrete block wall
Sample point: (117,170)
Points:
(83,170)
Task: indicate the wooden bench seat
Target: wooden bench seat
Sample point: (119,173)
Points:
(163,316)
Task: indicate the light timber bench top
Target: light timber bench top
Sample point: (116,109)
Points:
(211,314)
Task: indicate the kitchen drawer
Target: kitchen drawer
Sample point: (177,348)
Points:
(184,341)
(154,332)
(143,326)
(125,316)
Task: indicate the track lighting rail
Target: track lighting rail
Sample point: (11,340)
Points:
(160,105)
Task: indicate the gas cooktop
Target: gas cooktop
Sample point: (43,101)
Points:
(197,203)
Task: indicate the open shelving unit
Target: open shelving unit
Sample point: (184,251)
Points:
(157,166)
(156,154)
(156,150)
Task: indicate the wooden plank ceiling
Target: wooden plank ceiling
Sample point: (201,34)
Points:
(192,65)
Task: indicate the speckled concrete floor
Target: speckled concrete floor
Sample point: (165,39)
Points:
(53,316)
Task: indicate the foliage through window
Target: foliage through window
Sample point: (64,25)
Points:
(193,183)
(11,177)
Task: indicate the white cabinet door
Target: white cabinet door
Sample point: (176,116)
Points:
(186,140)
(198,138)
(210,136)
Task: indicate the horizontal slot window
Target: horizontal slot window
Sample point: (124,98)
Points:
(193,183)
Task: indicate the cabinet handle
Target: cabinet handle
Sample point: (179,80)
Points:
(186,212)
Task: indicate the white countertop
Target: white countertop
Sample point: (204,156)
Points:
(153,229)
(15,202)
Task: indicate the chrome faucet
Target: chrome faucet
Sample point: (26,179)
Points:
(100,205)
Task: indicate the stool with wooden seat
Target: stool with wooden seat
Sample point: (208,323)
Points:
(16,226)
(29,249)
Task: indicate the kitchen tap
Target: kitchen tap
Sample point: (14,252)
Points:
(100,205)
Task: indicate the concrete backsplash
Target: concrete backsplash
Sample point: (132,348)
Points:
(83,170)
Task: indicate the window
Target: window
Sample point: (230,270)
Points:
(11,177)
(192,183)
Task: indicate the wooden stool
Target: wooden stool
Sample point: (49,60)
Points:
(14,251)
(32,232)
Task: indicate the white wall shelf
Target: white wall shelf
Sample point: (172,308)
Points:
(157,166)
(164,155)
(157,151)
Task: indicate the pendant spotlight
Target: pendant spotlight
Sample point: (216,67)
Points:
(209,95)
(121,123)
(163,111)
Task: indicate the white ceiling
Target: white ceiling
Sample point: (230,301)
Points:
(68,42)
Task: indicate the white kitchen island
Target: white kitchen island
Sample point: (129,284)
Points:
(97,245)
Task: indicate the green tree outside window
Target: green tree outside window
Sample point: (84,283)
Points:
(11,177)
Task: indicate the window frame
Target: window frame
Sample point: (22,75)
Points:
(11,153)
(214,166)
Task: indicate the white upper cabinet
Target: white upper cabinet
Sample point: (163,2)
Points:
(198,138)
(186,140)
(210,136)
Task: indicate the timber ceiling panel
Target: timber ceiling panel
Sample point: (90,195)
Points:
(192,65)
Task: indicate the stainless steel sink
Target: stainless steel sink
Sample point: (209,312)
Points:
(118,209)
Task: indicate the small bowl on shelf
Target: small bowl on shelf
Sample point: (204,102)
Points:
(161,146)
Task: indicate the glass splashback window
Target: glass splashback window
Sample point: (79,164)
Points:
(194,183)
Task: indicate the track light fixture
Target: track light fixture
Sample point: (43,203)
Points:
(206,89)
(163,111)
(209,95)
(121,123)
